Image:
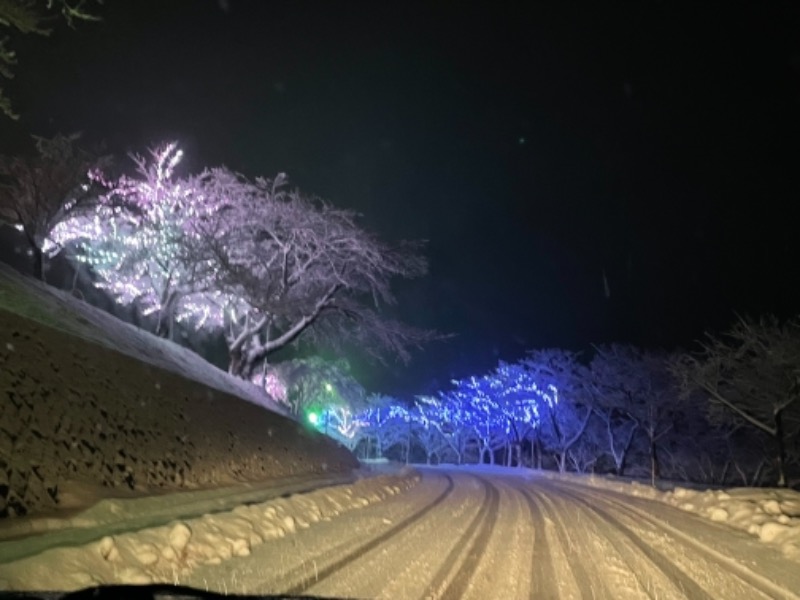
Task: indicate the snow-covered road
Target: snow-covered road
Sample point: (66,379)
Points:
(461,534)
(451,533)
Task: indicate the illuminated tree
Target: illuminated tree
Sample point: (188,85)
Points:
(475,400)
(27,16)
(312,385)
(300,267)
(519,398)
(566,404)
(135,242)
(431,440)
(450,420)
(38,193)
(387,423)
(750,376)
(263,265)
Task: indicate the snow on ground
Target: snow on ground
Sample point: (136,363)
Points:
(172,551)
(52,307)
(770,514)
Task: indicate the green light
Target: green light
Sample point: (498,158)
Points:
(313,418)
(328,387)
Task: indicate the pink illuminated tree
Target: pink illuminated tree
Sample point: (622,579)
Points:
(136,239)
(252,259)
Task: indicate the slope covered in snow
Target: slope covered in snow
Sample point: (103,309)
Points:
(34,300)
(95,409)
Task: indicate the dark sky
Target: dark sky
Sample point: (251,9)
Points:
(536,148)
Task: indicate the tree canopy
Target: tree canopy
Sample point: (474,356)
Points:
(30,16)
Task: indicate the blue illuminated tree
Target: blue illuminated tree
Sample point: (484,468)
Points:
(518,399)
(388,423)
(450,419)
(476,401)
(566,402)
(431,439)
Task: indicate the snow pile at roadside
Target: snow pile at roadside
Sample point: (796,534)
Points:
(169,553)
(772,515)
(52,307)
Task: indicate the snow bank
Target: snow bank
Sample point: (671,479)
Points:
(169,553)
(772,515)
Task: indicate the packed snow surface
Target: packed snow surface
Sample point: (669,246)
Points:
(453,532)
(770,514)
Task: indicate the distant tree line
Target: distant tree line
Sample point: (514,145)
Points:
(726,414)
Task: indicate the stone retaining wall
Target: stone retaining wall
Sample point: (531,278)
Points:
(71,410)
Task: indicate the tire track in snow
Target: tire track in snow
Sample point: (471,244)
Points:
(634,573)
(484,523)
(674,572)
(306,580)
(543,573)
(731,566)
(582,578)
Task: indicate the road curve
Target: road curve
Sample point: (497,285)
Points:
(478,534)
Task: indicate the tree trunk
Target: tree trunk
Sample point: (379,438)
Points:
(75,278)
(235,362)
(561,460)
(654,471)
(536,454)
(780,448)
(162,327)
(38,262)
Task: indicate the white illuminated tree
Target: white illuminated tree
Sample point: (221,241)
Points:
(135,242)
(300,267)
(264,265)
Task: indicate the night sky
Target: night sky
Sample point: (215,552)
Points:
(537,149)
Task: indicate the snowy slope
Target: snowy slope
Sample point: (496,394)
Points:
(93,409)
(34,300)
